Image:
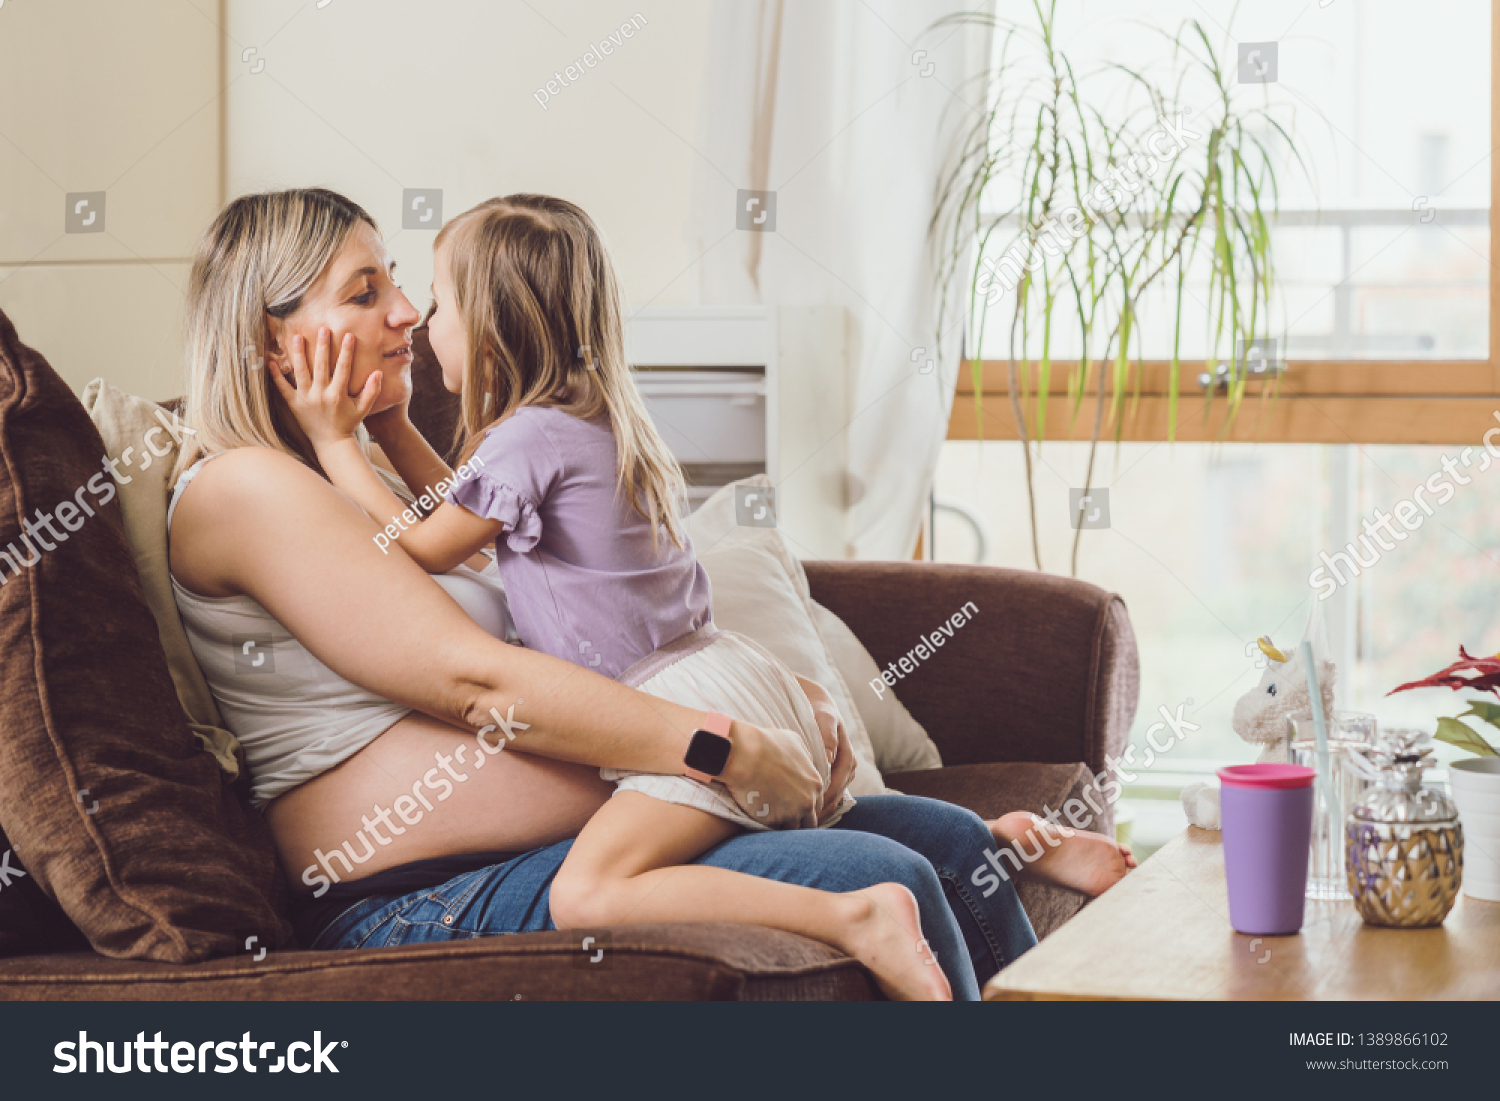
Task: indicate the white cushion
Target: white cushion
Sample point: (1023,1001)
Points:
(124,421)
(760,591)
(897,740)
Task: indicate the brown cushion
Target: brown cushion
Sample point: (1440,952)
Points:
(29,920)
(699,962)
(124,820)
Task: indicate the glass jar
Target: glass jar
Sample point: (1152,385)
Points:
(1405,847)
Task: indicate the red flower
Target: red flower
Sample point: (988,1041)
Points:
(1486,680)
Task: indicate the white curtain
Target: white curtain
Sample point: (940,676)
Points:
(847,109)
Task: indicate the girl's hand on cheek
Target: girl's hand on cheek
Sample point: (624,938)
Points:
(321,401)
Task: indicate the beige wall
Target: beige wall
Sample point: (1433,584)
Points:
(96,95)
(375,97)
(367,98)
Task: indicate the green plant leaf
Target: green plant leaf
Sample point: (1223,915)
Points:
(1044,367)
(1482,709)
(1462,735)
(1039,146)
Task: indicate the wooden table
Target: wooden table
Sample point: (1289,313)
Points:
(1163,932)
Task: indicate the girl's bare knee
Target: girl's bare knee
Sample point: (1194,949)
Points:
(579,899)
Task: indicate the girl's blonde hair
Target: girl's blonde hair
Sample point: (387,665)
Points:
(258,259)
(537,295)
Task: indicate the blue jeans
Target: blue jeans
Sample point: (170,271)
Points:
(930,846)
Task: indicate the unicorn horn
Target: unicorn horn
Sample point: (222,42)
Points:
(1270,651)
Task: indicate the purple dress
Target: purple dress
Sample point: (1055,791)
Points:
(584,582)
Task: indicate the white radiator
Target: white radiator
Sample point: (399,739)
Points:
(743,390)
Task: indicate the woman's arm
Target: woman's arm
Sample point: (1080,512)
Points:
(258,522)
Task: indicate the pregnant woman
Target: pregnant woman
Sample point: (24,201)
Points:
(371,697)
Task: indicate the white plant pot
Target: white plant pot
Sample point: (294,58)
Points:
(1475,784)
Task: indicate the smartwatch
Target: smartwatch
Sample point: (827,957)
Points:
(708,752)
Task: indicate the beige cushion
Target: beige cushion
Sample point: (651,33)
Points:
(897,740)
(759,590)
(124,422)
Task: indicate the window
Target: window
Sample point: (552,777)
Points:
(1382,247)
(1384,273)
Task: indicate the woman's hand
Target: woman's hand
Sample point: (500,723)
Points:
(321,402)
(772,778)
(841,759)
(830,722)
(840,775)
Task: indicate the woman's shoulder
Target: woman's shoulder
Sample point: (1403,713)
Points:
(247,472)
(231,494)
(245,485)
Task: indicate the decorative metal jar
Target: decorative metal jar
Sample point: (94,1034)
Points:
(1404,846)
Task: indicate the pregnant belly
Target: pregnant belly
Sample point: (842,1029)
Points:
(418,791)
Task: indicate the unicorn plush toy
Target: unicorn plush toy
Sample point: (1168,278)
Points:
(1260,716)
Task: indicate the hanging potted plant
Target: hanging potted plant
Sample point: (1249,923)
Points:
(1072,207)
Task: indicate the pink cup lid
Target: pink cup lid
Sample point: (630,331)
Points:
(1267,776)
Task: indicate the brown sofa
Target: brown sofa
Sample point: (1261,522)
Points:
(1024,705)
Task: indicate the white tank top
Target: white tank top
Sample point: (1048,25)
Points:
(295,717)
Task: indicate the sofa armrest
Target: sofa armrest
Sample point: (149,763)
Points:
(1045,669)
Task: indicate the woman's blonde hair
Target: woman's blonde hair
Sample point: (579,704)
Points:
(538,298)
(257,260)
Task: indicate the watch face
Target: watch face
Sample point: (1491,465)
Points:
(707,752)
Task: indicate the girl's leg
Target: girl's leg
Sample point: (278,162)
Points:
(630,866)
(844,860)
(1080,859)
(994,927)
(513,897)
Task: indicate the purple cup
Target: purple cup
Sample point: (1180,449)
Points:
(1266,812)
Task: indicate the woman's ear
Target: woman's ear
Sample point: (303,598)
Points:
(277,338)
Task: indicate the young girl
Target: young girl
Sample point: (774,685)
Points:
(571,483)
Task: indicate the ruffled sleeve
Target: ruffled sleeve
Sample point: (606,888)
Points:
(497,501)
(509,477)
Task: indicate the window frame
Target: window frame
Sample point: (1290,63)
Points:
(1350,401)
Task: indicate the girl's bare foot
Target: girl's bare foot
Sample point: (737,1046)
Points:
(1081,859)
(886,936)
